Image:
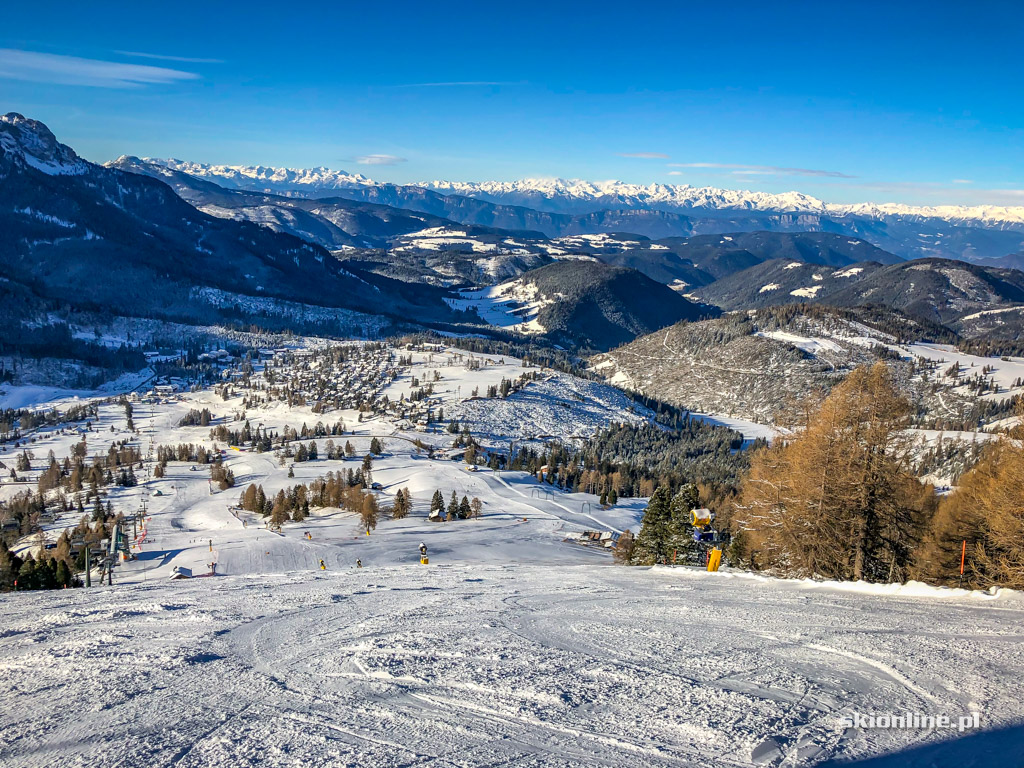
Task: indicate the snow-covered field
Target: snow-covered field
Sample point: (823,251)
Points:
(515,646)
(1004,372)
(501,663)
(513,305)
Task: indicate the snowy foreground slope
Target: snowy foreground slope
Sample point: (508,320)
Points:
(502,664)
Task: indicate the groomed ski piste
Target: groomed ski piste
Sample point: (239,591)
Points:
(514,646)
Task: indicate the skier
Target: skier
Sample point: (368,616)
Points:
(323,565)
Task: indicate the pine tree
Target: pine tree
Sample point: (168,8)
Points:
(683,548)
(453,507)
(464,509)
(437,502)
(63,575)
(400,510)
(652,545)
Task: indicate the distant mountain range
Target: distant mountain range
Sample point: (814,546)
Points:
(576,196)
(657,210)
(257,246)
(98,238)
(134,239)
(732,270)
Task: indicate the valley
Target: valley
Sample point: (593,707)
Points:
(540,472)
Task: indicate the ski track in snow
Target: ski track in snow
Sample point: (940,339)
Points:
(489,664)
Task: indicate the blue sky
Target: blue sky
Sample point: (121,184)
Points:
(905,102)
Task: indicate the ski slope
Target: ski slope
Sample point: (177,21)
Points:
(501,663)
(515,646)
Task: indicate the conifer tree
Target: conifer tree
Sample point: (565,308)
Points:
(399,510)
(987,512)
(368,514)
(652,545)
(437,502)
(683,548)
(279,512)
(839,499)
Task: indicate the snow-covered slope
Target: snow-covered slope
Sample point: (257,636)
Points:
(32,144)
(499,663)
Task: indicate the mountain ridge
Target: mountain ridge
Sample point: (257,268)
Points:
(609,193)
(559,207)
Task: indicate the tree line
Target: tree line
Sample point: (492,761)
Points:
(841,499)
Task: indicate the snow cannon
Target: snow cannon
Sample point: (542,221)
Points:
(424,560)
(702,517)
(703,533)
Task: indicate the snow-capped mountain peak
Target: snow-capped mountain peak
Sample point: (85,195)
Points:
(581,196)
(570,193)
(34,144)
(268,179)
(631,195)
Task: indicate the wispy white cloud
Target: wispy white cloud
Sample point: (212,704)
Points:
(645,155)
(962,181)
(161,57)
(379,160)
(71,70)
(675,173)
(764,170)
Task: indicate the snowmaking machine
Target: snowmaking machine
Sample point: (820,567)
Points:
(707,537)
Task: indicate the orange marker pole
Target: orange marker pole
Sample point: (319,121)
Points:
(963,557)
